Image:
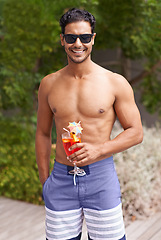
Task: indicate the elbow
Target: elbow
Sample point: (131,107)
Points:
(139,136)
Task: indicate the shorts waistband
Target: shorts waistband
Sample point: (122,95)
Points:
(88,168)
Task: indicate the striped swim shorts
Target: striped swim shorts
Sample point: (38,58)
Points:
(95,197)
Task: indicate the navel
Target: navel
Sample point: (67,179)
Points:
(54,110)
(101,110)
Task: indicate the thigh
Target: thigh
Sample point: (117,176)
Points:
(63,225)
(105,224)
(102,205)
(59,192)
(102,187)
(64,215)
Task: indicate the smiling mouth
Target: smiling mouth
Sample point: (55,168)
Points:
(79,51)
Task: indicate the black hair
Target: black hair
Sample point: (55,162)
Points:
(75,15)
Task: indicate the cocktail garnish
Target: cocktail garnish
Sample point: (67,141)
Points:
(75,127)
(73,135)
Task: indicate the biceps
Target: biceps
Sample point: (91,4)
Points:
(128,114)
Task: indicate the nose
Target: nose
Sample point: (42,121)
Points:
(78,42)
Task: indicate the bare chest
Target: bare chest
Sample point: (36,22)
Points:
(86,99)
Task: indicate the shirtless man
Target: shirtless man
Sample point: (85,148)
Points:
(83,91)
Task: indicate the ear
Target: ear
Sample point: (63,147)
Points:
(93,38)
(62,40)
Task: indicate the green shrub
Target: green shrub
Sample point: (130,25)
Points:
(18,169)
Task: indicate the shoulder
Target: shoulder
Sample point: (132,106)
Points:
(121,86)
(119,79)
(49,81)
(115,79)
(112,77)
(46,85)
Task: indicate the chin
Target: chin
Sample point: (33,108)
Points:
(77,60)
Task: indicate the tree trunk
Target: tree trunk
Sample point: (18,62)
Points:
(125,66)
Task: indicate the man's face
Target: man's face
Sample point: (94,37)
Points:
(78,52)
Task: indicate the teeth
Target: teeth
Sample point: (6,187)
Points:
(78,51)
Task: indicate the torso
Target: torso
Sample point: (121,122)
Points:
(89,100)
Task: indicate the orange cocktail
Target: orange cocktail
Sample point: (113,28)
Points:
(69,140)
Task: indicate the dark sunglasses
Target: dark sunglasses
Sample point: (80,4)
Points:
(71,38)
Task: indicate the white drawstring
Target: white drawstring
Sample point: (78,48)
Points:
(77,171)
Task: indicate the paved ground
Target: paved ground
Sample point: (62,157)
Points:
(148,229)
(19,220)
(24,221)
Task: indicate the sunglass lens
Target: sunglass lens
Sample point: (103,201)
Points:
(85,38)
(69,38)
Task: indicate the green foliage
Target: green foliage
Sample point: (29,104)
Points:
(18,170)
(21,182)
(19,90)
(134,26)
(151,96)
(29,37)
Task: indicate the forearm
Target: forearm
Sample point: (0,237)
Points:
(123,141)
(43,151)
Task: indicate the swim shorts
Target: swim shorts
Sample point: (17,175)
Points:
(95,197)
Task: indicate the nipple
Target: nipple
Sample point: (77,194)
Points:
(101,110)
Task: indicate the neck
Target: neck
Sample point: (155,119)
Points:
(78,70)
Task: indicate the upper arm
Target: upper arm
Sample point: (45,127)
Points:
(125,106)
(44,113)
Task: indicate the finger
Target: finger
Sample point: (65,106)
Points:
(77,153)
(83,162)
(76,145)
(79,157)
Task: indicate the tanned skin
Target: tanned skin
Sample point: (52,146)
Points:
(83,91)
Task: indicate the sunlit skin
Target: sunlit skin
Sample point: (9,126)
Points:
(83,91)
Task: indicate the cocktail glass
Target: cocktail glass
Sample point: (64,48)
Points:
(68,141)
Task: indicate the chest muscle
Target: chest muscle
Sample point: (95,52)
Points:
(87,99)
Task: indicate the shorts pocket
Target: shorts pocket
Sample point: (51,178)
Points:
(45,182)
(44,186)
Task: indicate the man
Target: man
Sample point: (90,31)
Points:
(83,91)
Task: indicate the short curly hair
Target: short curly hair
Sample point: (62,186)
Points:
(75,15)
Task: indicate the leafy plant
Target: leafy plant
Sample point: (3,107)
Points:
(18,169)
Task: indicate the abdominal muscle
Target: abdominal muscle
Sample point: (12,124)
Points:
(95,131)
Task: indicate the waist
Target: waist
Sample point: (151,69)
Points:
(92,168)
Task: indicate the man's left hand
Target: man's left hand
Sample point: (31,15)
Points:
(87,154)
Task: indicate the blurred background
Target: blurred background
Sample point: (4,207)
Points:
(128,42)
